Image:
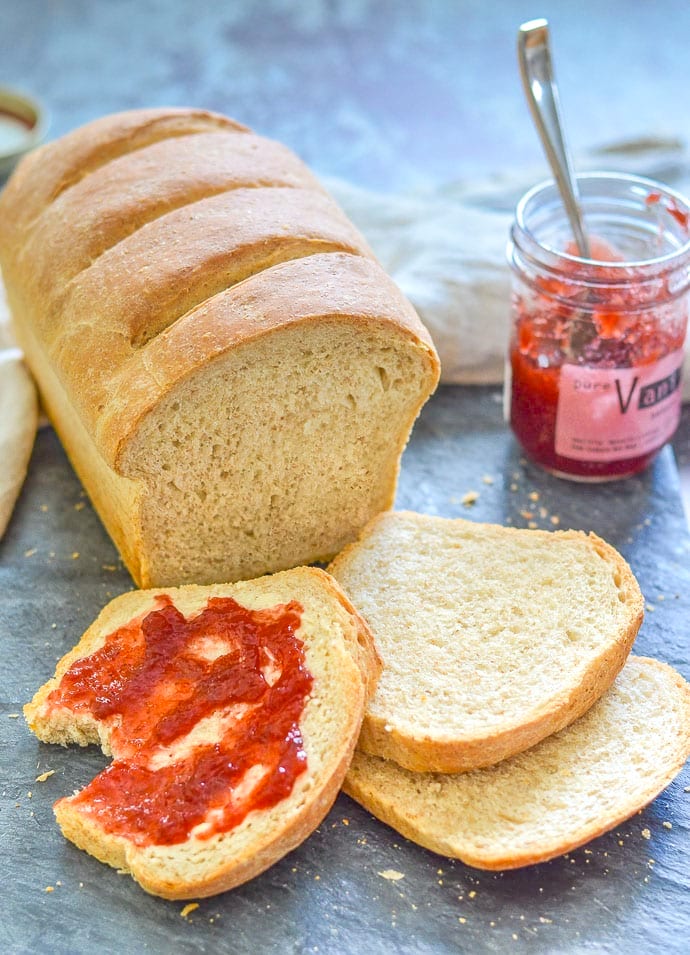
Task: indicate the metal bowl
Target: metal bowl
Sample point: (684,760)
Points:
(23,124)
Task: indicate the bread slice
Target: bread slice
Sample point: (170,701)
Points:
(570,788)
(232,374)
(168,749)
(491,637)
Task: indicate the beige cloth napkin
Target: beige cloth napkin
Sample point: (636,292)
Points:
(445,247)
(18,417)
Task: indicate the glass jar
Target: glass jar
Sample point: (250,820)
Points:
(596,349)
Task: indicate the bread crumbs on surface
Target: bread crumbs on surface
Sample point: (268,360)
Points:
(30,552)
(392,875)
(13,716)
(49,888)
(650,608)
(532,525)
(528,515)
(462,919)
(555,519)
(667,825)
(533,495)
(346,822)
(110,567)
(189,908)
(42,778)
(646,834)
(472,894)
(487,479)
(80,505)
(470,498)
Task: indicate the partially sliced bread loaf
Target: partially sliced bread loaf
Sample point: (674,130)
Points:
(565,791)
(231,713)
(232,374)
(491,637)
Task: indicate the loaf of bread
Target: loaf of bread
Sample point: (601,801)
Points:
(230,371)
(231,712)
(491,637)
(570,788)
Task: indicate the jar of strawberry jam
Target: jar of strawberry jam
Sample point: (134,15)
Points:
(596,349)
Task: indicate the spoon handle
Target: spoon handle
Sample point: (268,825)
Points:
(536,69)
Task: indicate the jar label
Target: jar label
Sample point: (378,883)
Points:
(608,414)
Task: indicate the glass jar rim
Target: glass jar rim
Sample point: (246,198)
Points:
(651,186)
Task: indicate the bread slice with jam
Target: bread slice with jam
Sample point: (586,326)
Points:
(491,637)
(231,713)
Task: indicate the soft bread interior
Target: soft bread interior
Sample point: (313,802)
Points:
(297,452)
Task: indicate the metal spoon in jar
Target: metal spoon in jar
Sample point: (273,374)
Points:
(536,69)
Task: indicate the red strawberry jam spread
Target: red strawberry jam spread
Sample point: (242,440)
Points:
(203,715)
(595,363)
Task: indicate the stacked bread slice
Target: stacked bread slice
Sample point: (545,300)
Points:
(507,727)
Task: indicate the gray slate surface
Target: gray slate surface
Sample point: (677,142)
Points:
(624,892)
(389,95)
